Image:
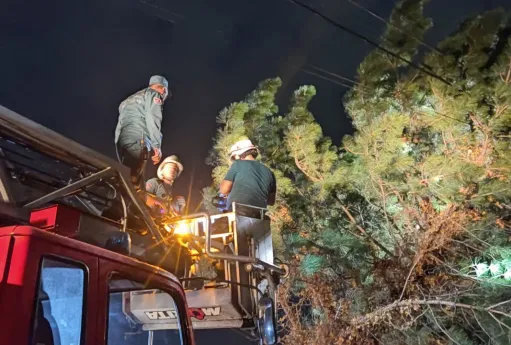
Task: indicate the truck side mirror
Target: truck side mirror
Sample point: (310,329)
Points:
(266,321)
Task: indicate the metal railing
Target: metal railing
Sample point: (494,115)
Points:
(226,256)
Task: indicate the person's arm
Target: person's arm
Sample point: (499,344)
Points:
(179,204)
(153,118)
(273,191)
(151,198)
(227,183)
(225,187)
(153,201)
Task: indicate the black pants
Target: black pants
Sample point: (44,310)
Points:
(245,211)
(134,156)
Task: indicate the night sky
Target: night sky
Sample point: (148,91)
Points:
(68,64)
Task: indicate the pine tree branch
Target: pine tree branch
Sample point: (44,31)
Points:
(481,326)
(499,110)
(499,322)
(351,151)
(362,230)
(498,304)
(376,315)
(415,262)
(443,330)
(508,75)
(303,170)
(384,195)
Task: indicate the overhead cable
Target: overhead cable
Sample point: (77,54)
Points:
(335,75)
(326,78)
(364,38)
(361,90)
(421,42)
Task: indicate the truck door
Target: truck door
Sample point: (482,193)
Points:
(63,308)
(118,326)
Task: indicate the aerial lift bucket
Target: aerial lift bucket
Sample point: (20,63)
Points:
(244,294)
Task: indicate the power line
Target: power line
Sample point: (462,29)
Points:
(374,44)
(361,90)
(335,75)
(180,19)
(176,15)
(447,116)
(326,78)
(421,42)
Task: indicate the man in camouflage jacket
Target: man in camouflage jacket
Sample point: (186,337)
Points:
(138,133)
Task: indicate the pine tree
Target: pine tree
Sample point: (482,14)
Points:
(411,216)
(426,154)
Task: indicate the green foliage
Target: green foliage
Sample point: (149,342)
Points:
(311,264)
(295,241)
(459,336)
(494,265)
(416,203)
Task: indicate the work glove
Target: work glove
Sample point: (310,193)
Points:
(156,158)
(220,202)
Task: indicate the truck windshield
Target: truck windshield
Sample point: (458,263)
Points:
(138,316)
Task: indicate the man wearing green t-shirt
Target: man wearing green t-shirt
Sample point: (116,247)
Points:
(248,181)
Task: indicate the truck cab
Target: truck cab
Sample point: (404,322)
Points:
(58,291)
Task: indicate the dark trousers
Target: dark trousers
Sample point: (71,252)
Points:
(134,156)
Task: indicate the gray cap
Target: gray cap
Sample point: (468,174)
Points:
(158,79)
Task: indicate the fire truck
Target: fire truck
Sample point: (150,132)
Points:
(84,261)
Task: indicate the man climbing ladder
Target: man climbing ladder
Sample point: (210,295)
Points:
(138,132)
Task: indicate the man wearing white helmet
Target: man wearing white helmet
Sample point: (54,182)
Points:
(138,132)
(248,181)
(161,186)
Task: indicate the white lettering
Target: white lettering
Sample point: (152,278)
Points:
(211,311)
(172,314)
(161,315)
(152,315)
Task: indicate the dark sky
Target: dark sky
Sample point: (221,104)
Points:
(68,64)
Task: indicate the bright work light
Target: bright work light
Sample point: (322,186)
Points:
(182,228)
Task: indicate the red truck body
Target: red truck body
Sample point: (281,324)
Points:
(22,252)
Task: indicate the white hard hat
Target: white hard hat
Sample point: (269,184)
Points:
(241,147)
(170,159)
